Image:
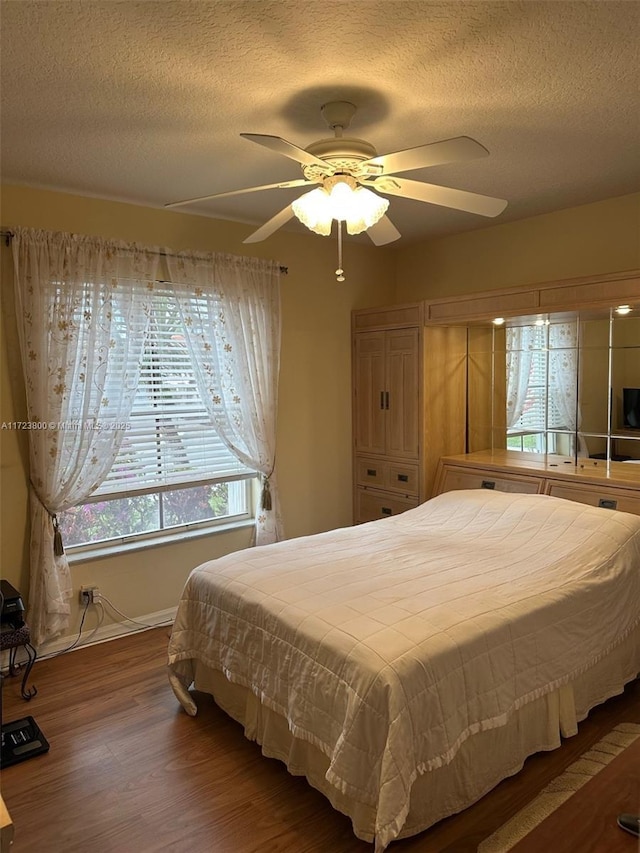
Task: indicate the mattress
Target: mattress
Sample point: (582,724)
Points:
(387,647)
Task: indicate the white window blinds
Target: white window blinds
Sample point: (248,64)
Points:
(169,439)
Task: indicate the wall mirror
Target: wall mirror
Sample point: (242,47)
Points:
(564,384)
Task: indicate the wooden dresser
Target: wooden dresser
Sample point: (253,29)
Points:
(430,380)
(408,406)
(614,486)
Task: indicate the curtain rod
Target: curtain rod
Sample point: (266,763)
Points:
(8,235)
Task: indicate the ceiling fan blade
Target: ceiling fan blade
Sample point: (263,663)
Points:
(283,185)
(272,225)
(288,149)
(434,154)
(483,205)
(384,231)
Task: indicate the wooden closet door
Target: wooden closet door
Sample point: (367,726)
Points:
(402,393)
(369,411)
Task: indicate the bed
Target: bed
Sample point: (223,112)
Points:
(384,661)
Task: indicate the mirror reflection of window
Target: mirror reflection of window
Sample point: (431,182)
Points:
(542,382)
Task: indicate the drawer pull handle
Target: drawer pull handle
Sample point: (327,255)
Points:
(371,472)
(488,484)
(607,503)
(386,510)
(404,478)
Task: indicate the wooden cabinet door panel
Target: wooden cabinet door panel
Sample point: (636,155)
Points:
(402,393)
(369,410)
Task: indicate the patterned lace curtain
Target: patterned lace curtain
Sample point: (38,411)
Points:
(563,378)
(520,343)
(82,321)
(231,312)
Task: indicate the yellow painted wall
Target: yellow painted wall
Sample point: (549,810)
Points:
(314,422)
(314,426)
(581,241)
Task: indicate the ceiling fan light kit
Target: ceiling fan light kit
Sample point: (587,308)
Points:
(348,169)
(339,198)
(312,209)
(367,208)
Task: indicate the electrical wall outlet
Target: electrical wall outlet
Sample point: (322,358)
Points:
(88,594)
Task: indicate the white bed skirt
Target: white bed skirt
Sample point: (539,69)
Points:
(480,764)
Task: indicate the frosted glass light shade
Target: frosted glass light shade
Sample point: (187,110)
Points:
(359,208)
(365,210)
(313,209)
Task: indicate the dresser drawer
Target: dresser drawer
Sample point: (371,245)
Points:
(619,499)
(371,505)
(370,472)
(392,476)
(468,478)
(403,478)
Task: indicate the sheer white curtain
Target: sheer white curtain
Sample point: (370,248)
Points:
(231,311)
(563,377)
(520,343)
(82,320)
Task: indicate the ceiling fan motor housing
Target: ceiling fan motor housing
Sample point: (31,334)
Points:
(344,154)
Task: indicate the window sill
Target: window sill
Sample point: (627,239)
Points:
(84,555)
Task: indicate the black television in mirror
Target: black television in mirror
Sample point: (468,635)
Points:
(631,408)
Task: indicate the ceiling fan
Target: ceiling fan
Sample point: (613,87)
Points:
(345,170)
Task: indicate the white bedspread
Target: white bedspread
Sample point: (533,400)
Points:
(388,644)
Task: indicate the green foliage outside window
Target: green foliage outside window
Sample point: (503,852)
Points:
(128,516)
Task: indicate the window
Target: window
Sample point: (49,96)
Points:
(538,411)
(172,470)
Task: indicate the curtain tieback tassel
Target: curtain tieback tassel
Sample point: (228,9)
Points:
(266,495)
(58,548)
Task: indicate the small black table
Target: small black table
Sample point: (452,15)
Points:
(12,639)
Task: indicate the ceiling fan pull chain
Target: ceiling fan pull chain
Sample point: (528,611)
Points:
(340,271)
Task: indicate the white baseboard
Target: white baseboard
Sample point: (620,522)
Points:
(107,632)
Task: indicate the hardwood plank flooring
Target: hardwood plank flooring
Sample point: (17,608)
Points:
(129,772)
(572,827)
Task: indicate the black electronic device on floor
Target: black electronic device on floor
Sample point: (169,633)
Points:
(12,611)
(21,739)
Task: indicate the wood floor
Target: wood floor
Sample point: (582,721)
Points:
(618,782)
(129,772)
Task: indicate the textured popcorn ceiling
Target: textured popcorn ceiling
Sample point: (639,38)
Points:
(144,101)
